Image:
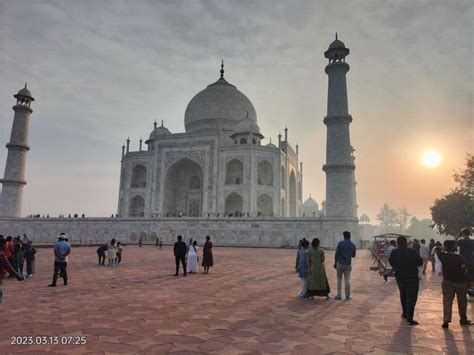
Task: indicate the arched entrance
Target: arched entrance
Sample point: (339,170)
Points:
(234,205)
(264,206)
(293,195)
(137,207)
(184,189)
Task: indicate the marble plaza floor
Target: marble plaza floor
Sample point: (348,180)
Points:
(246,305)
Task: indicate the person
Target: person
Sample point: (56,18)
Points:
(118,259)
(438,265)
(192,259)
(300,246)
(140,242)
(318,284)
(454,283)
(112,252)
(417,247)
(30,253)
(466,250)
(190,244)
(25,241)
(391,247)
(5,267)
(157,242)
(345,251)
(101,254)
(406,261)
(18,255)
(432,259)
(303,268)
(61,251)
(207,257)
(179,251)
(161,243)
(424,253)
(9,249)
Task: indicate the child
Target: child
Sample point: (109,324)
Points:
(118,260)
(30,252)
(112,252)
(303,268)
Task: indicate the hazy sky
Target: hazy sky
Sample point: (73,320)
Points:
(104,70)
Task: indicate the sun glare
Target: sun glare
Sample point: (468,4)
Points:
(431,158)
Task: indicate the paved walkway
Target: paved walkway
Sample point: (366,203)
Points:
(246,305)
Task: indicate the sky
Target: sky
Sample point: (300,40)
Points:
(103,71)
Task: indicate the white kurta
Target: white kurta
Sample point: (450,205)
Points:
(438,265)
(192,259)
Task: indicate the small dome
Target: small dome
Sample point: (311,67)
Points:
(24,92)
(159,132)
(271,145)
(337,44)
(310,203)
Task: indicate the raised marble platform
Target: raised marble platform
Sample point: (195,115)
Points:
(261,232)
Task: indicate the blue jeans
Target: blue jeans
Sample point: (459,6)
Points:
(408,297)
(346,271)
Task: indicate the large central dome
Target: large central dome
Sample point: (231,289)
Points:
(220,105)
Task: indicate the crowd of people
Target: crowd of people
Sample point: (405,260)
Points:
(111,251)
(312,272)
(188,256)
(409,260)
(20,252)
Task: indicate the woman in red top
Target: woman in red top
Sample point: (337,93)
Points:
(5,267)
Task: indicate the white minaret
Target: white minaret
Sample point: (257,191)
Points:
(14,178)
(339,167)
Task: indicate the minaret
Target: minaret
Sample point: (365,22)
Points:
(339,167)
(14,178)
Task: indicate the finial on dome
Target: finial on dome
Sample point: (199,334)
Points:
(270,140)
(222,69)
(25,84)
(336,35)
(155,124)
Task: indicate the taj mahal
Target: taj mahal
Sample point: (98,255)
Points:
(218,169)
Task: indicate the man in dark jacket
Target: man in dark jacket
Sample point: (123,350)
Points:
(405,261)
(454,283)
(179,250)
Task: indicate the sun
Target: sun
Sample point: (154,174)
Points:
(431,158)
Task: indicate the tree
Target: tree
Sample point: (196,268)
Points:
(387,216)
(465,178)
(421,229)
(402,218)
(455,211)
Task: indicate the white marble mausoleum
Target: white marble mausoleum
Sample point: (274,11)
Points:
(218,167)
